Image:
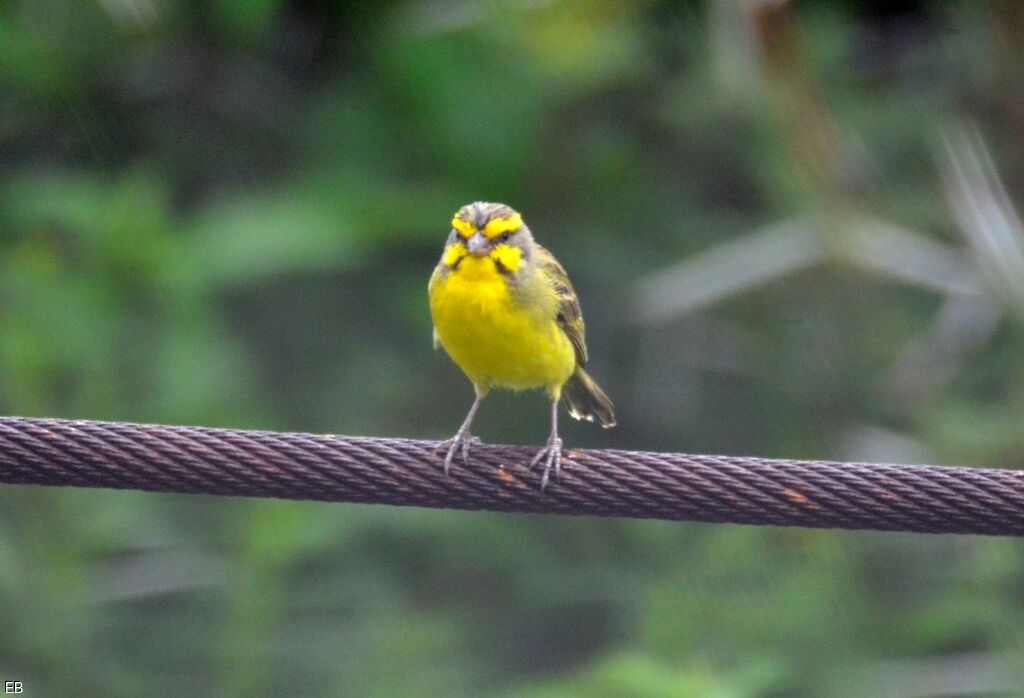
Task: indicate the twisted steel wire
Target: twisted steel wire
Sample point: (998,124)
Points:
(671,486)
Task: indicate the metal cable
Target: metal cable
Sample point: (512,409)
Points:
(672,486)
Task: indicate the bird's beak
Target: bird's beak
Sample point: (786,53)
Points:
(478,244)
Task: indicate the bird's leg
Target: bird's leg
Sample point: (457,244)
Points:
(551,454)
(462,439)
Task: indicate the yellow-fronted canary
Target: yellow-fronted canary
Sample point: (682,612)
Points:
(506,313)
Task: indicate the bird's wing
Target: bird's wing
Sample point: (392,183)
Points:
(569,317)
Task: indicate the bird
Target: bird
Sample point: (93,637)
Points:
(504,310)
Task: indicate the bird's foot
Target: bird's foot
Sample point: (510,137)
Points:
(462,441)
(551,454)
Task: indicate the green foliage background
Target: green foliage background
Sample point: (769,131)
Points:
(226,214)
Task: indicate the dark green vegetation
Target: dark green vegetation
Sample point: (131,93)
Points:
(787,239)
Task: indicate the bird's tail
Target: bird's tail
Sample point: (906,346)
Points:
(585,400)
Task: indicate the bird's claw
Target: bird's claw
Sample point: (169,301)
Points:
(551,454)
(462,441)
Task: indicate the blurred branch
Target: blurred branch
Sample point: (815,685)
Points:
(132,13)
(909,257)
(958,675)
(796,244)
(773,51)
(154,573)
(795,95)
(927,365)
(984,213)
(729,269)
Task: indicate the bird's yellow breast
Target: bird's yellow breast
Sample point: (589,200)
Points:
(495,338)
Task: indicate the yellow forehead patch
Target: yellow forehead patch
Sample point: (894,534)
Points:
(465,228)
(503,225)
(492,230)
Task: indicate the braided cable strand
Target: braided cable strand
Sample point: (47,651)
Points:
(671,486)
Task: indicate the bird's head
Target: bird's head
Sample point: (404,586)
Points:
(488,231)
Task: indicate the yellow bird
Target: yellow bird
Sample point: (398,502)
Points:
(505,312)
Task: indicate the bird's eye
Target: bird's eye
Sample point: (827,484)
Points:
(505,236)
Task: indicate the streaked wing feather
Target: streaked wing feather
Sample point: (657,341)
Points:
(570,317)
